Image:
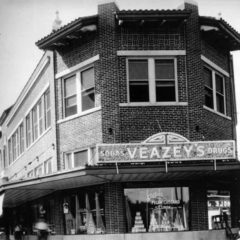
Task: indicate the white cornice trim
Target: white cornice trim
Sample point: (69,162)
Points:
(215,66)
(77,67)
(151,53)
(27,89)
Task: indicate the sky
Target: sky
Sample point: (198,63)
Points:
(24,22)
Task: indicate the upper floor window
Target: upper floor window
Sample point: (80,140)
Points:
(39,119)
(48,166)
(47,109)
(79,92)
(152,80)
(215,97)
(76,159)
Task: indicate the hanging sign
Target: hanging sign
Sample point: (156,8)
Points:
(151,152)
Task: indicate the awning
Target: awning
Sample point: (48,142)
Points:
(17,193)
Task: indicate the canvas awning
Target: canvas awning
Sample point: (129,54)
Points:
(19,192)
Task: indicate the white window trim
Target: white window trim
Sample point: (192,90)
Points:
(152,81)
(215,66)
(218,113)
(77,73)
(77,67)
(214,72)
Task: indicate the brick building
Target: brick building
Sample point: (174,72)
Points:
(127,125)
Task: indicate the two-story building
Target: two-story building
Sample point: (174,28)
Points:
(127,126)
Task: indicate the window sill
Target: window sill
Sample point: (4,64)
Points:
(218,113)
(79,115)
(142,104)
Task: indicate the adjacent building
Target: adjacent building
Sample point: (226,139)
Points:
(127,125)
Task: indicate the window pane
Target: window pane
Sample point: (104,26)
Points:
(21,138)
(28,130)
(68,161)
(10,151)
(88,99)
(139,92)
(80,158)
(70,110)
(164,69)
(40,114)
(208,97)
(165,92)
(220,103)
(35,123)
(47,109)
(87,78)
(138,69)
(71,101)
(48,167)
(219,84)
(207,74)
(70,86)
(157,209)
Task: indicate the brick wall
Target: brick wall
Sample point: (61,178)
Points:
(198,208)
(114,208)
(216,55)
(79,133)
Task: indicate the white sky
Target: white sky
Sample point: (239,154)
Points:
(24,22)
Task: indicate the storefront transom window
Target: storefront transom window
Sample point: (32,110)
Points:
(157,209)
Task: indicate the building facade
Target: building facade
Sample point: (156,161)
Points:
(127,125)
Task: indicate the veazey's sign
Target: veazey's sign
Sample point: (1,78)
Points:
(151,152)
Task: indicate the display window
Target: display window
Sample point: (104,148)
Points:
(219,209)
(84,213)
(157,209)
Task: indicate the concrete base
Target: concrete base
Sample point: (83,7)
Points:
(189,235)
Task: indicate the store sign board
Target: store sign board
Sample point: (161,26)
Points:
(152,152)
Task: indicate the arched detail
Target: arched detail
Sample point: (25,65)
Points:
(166,138)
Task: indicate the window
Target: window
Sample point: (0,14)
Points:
(39,171)
(21,132)
(41,121)
(14,147)
(10,151)
(76,159)
(48,166)
(165,80)
(35,123)
(47,109)
(79,92)
(157,209)
(70,96)
(214,90)
(86,210)
(28,130)
(30,174)
(152,80)
(138,80)
(87,87)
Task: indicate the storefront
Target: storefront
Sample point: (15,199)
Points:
(165,185)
